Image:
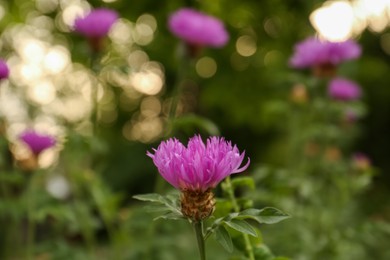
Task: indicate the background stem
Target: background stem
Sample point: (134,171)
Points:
(230,191)
(94,65)
(30,215)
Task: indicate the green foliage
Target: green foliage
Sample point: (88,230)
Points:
(301,150)
(167,205)
(241,226)
(223,237)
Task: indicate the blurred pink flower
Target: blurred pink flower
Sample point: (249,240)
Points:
(343,90)
(197,28)
(199,166)
(361,161)
(37,142)
(97,23)
(351,116)
(313,52)
(4,70)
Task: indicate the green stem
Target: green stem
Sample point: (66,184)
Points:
(110,229)
(30,217)
(94,65)
(236,208)
(82,213)
(198,227)
(184,62)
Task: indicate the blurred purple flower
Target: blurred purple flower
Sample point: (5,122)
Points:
(4,70)
(313,52)
(361,161)
(199,166)
(343,90)
(197,28)
(97,23)
(351,116)
(37,142)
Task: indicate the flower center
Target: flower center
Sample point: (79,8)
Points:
(196,204)
(325,70)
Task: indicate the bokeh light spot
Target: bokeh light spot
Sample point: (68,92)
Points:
(246,46)
(206,67)
(385,42)
(70,14)
(42,92)
(150,107)
(46,6)
(56,59)
(121,32)
(58,187)
(147,82)
(334,20)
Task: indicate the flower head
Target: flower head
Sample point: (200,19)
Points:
(314,53)
(361,161)
(4,70)
(37,142)
(197,28)
(97,23)
(196,169)
(199,166)
(343,90)
(351,116)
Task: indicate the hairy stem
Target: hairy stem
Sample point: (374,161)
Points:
(198,227)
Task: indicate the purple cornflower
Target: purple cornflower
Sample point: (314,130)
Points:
(198,166)
(351,116)
(96,25)
(37,142)
(4,70)
(324,55)
(197,28)
(196,169)
(361,161)
(343,90)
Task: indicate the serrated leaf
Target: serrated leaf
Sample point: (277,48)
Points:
(242,226)
(243,181)
(223,237)
(168,203)
(170,215)
(152,197)
(156,208)
(267,215)
(171,201)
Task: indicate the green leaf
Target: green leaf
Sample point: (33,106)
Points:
(170,215)
(266,215)
(223,237)
(156,208)
(263,252)
(242,226)
(243,181)
(153,197)
(167,204)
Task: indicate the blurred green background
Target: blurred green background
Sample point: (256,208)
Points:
(241,91)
